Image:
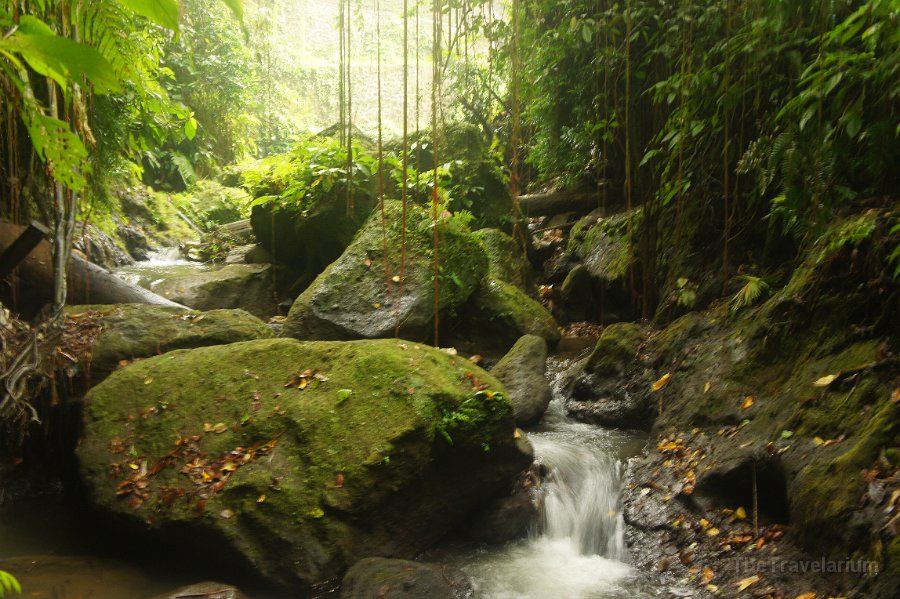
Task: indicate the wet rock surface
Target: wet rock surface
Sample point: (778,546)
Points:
(521,371)
(401,579)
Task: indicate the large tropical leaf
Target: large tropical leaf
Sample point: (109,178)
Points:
(59,58)
(237,8)
(161,12)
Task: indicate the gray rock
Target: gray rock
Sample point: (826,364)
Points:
(204,590)
(246,286)
(351,298)
(521,371)
(381,578)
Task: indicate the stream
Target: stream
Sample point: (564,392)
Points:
(578,550)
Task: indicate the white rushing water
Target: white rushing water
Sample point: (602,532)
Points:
(578,550)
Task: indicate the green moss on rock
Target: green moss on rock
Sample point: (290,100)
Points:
(300,481)
(617,346)
(134,331)
(506,261)
(500,313)
(351,299)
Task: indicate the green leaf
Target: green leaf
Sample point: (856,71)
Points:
(586,33)
(343,394)
(63,60)
(161,12)
(8,584)
(190,128)
(236,7)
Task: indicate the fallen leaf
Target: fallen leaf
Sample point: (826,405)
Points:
(740,513)
(343,394)
(219,428)
(713,532)
(395,278)
(339,480)
(748,401)
(895,396)
(226,514)
(747,582)
(704,523)
(708,575)
(661,383)
(707,387)
(517,434)
(818,441)
(261,498)
(376,306)
(148,380)
(806,596)
(825,380)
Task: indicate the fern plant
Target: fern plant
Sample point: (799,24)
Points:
(753,290)
(8,584)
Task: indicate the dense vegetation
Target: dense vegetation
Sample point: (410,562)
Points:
(738,154)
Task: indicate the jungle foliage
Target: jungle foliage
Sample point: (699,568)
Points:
(755,122)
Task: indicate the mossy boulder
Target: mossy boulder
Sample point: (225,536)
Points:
(521,370)
(300,457)
(246,286)
(353,298)
(506,260)
(607,387)
(499,313)
(605,245)
(134,331)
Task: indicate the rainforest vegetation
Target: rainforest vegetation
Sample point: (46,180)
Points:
(703,192)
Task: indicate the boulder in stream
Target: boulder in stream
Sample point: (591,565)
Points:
(300,457)
(403,579)
(521,371)
(246,286)
(351,299)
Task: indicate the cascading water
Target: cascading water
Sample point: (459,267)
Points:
(159,266)
(578,550)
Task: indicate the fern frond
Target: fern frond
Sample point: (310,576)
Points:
(754,288)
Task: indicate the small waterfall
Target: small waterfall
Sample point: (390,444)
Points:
(578,551)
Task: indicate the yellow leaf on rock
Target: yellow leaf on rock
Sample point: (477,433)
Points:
(708,575)
(747,582)
(895,396)
(740,513)
(748,401)
(818,440)
(707,387)
(713,532)
(704,523)
(806,596)
(825,380)
(662,382)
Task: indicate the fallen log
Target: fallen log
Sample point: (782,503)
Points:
(556,202)
(31,285)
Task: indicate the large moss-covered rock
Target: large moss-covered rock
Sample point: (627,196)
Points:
(506,260)
(246,286)
(605,245)
(133,331)
(499,313)
(302,457)
(352,299)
